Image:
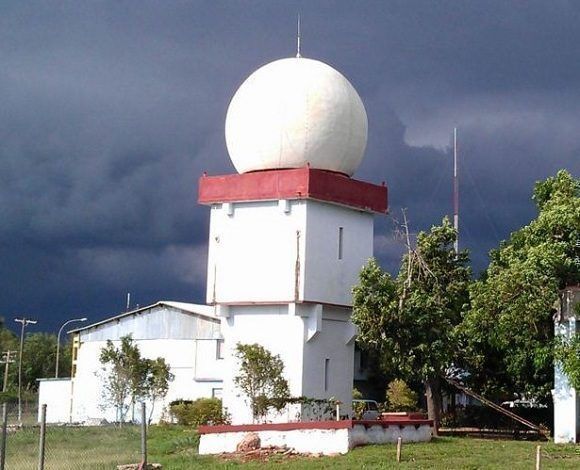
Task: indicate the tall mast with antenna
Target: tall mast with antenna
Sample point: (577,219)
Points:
(298,40)
(455,191)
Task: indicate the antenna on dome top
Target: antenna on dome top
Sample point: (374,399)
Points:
(298,40)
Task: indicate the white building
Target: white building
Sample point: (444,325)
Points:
(288,237)
(566,398)
(290,233)
(186,335)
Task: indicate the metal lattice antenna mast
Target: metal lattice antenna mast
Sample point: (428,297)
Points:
(455,192)
(298,40)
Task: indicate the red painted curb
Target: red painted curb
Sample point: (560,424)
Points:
(344,424)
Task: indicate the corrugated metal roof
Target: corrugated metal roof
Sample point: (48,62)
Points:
(195,309)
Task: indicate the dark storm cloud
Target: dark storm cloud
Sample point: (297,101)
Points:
(110,111)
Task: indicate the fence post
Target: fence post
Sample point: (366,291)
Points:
(399,448)
(42,437)
(143,436)
(538,457)
(3,437)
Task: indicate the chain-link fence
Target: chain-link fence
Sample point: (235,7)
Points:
(29,444)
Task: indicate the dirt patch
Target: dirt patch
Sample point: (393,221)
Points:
(266,454)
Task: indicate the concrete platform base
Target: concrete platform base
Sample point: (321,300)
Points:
(316,437)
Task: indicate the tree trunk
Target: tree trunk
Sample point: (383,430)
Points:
(433,395)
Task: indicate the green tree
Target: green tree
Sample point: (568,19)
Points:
(508,333)
(39,359)
(412,321)
(400,397)
(122,371)
(157,378)
(130,378)
(261,379)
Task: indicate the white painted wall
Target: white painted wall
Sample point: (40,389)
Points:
(325,441)
(329,279)
(188,343)
(190,382)
(304,336)
(273,269)
(566,398)
(334,342)
(259,251)
(253,251)
(275,329)
(56,395)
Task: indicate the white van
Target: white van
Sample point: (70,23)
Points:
(370,409)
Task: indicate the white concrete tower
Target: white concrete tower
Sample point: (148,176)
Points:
(290,233)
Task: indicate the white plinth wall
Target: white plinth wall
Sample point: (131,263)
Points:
(566,398)
(280,274)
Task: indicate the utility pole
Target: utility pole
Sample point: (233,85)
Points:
(24,321)
(455,192)
(7,359)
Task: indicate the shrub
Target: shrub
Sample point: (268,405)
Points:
(199,412)
(400,397)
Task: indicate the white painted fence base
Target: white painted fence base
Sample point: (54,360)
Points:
(317,437)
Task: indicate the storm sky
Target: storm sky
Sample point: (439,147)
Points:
(111,110)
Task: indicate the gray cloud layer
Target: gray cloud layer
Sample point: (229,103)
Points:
(111,110)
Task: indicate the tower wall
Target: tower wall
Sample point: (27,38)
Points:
(281,274)
(286,251)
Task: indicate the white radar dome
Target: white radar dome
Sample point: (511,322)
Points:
(294,112)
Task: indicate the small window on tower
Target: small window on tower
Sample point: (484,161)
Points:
(326,372)
(219,352)
(340,241)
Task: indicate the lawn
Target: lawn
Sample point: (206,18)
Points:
(175,448)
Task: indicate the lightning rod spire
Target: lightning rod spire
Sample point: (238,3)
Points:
(298,40)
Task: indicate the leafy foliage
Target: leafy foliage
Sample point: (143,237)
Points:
(199,412)
(38,357)
(261,379)
(400,397)
(567,353)
(412,320)
(130,378)
(509,328)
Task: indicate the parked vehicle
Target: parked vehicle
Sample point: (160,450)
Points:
(369,409)
(523,404)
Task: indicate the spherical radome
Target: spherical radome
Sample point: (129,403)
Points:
(294,112)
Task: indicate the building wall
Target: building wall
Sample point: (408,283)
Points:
(275,329)
(188,343)
(281,273)
(328,371)
(329,278)
(305,336)
(253,250)
(286,251)
(189,381)
(56,395)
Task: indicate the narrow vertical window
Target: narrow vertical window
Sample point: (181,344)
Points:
(326,372)
(219,353)
(340,241)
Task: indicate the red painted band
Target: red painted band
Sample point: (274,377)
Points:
(298,183)
(344,424)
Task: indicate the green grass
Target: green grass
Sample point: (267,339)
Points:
(175,447)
